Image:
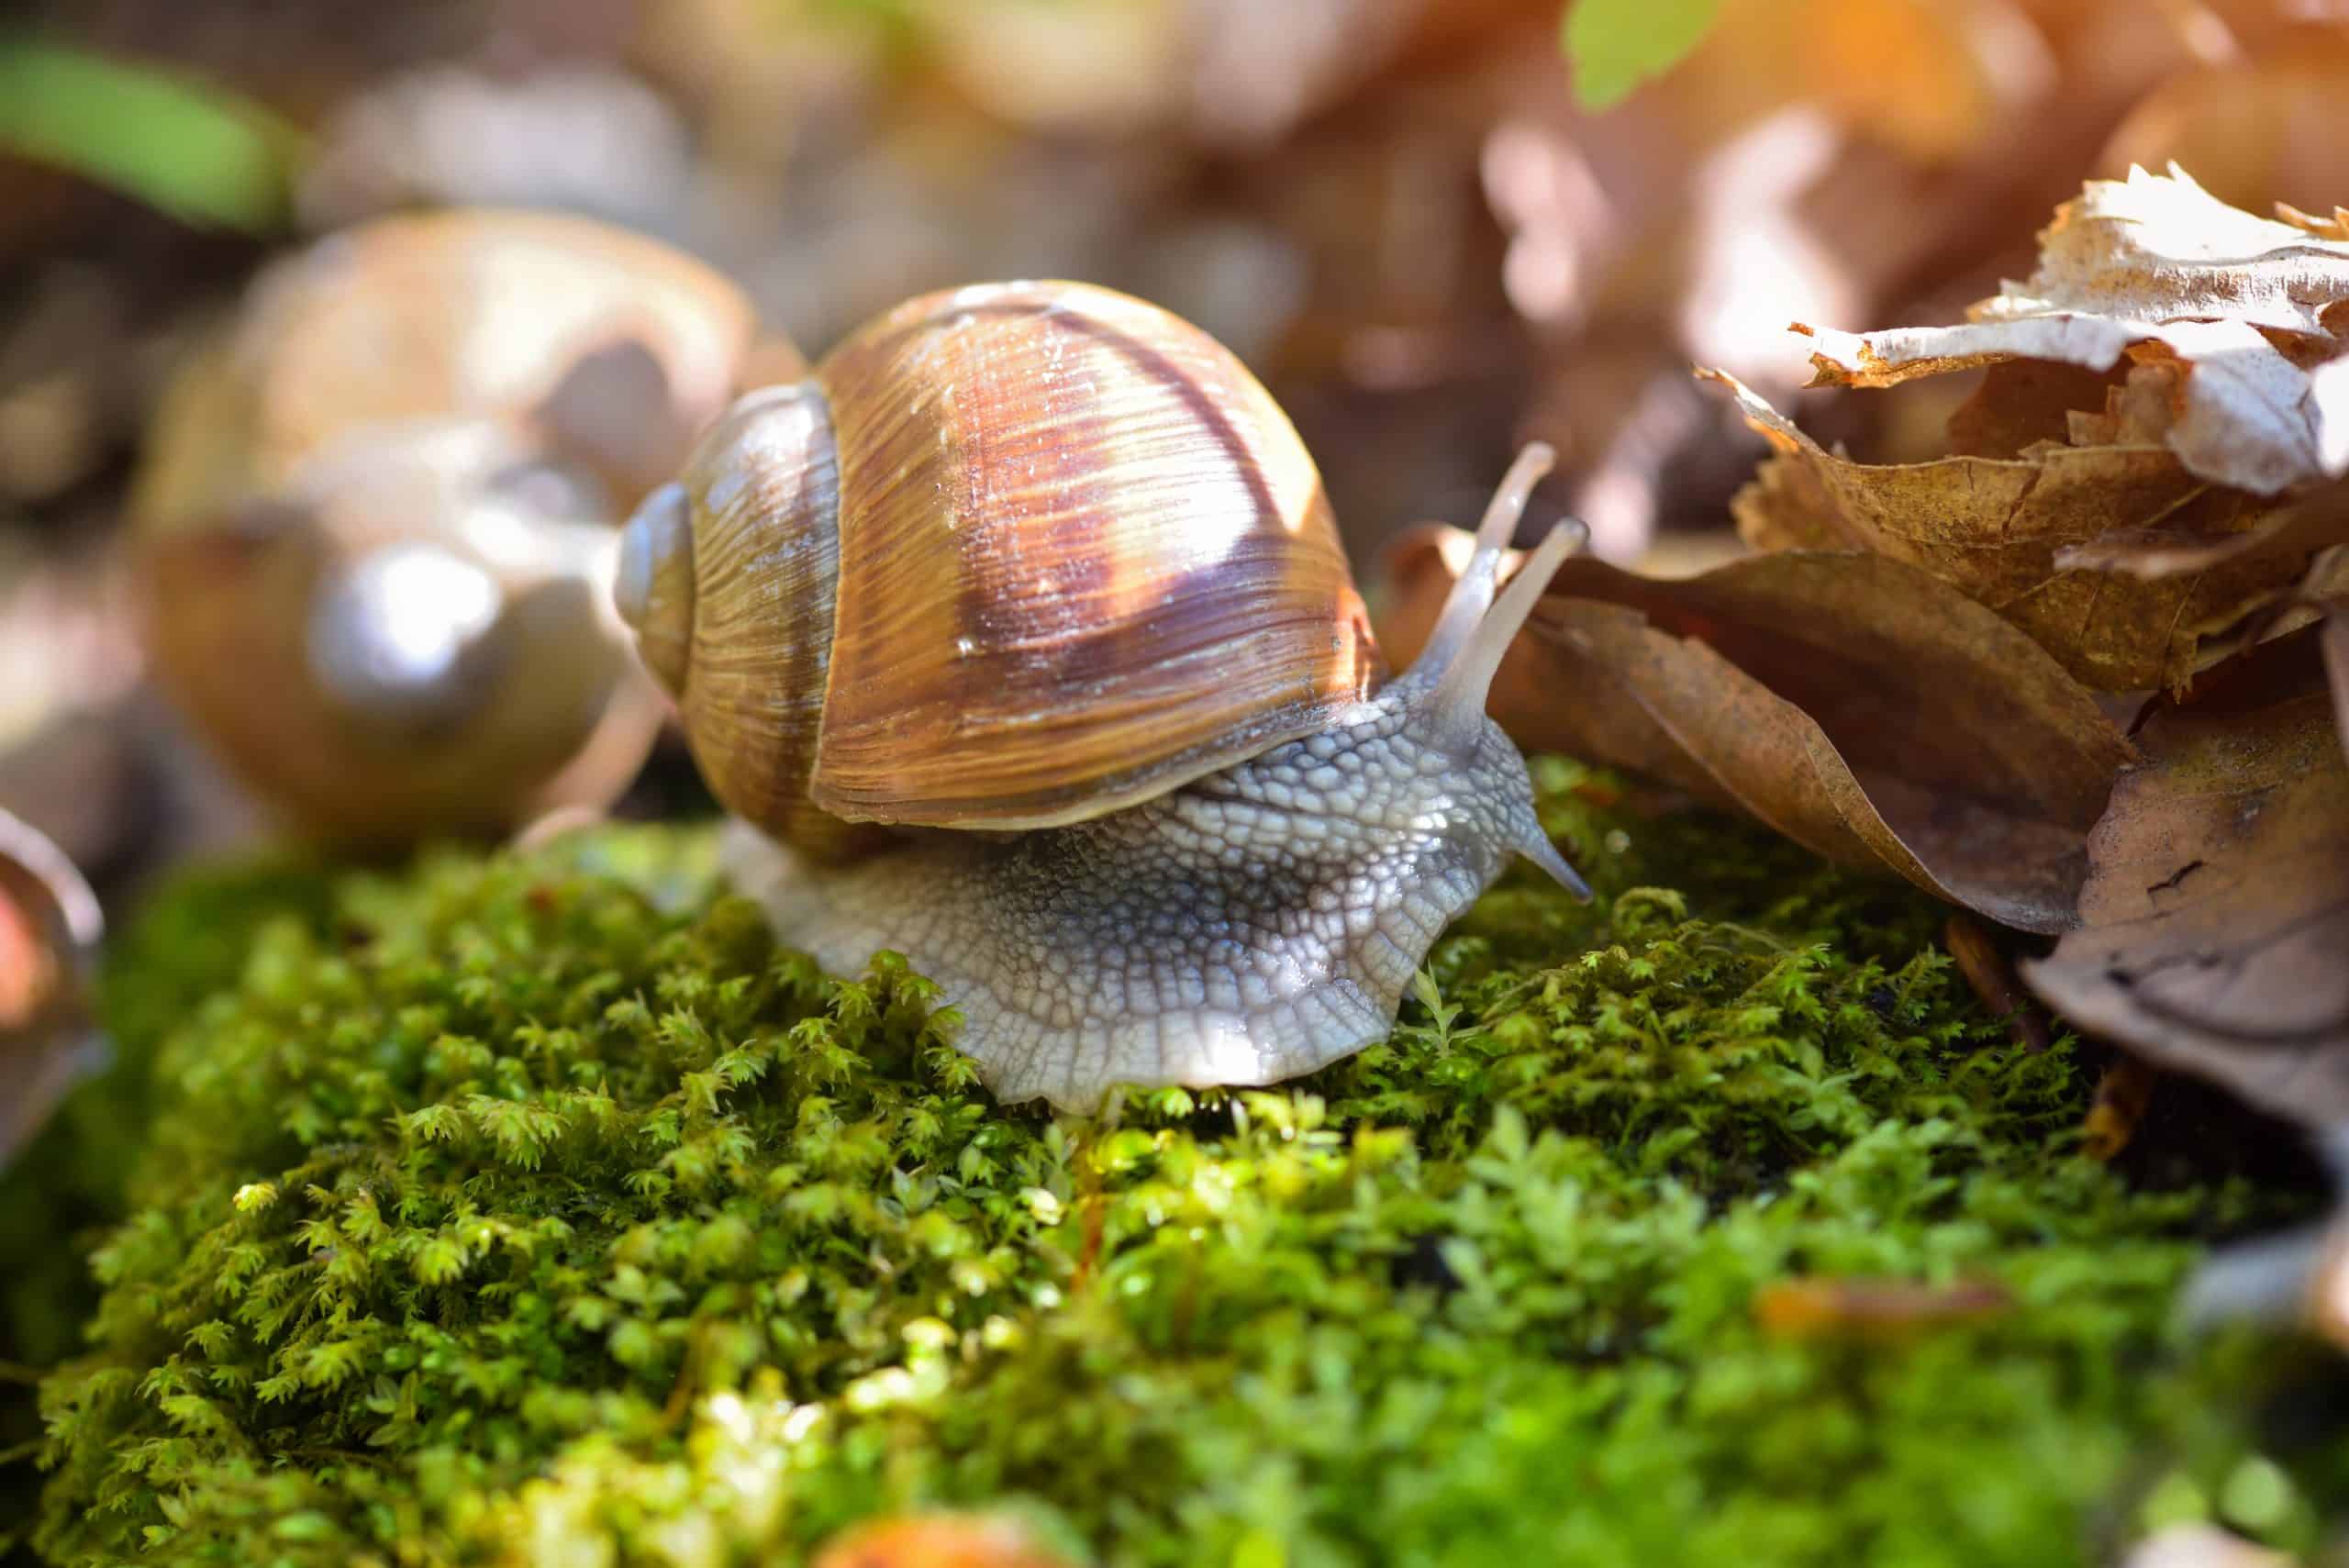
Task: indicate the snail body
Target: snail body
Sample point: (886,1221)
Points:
(1046,565)
(377,518)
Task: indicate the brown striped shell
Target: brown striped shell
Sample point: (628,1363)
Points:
(1019,554)
(415,442)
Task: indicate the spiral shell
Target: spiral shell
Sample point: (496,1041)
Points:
(376,517)
(603,347)
(729,577)
(1019,554)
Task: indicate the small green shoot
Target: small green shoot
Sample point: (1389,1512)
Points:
(1615,45)
(199,153)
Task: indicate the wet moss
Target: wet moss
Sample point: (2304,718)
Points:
(526,1206)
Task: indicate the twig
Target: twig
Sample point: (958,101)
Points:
(1993,978)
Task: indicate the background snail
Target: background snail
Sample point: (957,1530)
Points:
(50,927)
(377,518)
(1042,557)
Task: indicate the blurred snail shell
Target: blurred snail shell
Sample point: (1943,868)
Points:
(49,928)
(1042,557)
(376,517)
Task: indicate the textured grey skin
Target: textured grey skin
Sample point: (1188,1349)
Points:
(1253,925)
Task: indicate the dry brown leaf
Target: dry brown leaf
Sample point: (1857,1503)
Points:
(2257,122)
(1996,529)
(2333,227)
(2124,1091)
(1848,701)
(2026,403)
(2335,638)
(2139,412)
(2156,265)
(1786,772)
(2174,548)
(2215,920)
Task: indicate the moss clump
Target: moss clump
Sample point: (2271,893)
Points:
(181,953)
(532,1206)
(68,1187)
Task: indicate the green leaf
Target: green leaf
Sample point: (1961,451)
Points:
(199,153)
(1259,1548)
(1615,45)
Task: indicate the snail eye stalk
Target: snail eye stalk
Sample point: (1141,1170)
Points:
(1478,621)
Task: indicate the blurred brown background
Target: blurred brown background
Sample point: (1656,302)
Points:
(1398,211)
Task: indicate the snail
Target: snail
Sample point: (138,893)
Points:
(49,928)
(377,520)
(1020,639)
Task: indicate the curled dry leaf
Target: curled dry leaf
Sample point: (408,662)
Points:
(1999,530)
(49,930)
(2280,541)
(2232,310)
(2215,917)
(1850,702)
(2335,640)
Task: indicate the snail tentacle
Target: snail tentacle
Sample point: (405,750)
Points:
(1472,593)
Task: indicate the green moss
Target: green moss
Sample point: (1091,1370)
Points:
(67,1188)
(178,955)
(526,1204)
